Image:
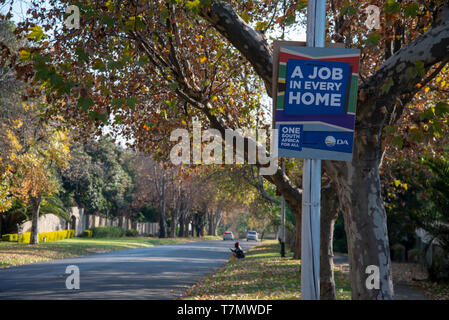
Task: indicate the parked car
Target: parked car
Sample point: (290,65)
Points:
(228,235)
(252,235)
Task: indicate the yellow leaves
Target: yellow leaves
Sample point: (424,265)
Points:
(398,183)
(30,160)
(214,98)
(17,124)
(203,59)
(24,55)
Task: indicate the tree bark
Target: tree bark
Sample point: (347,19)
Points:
(162,218)
(359,191)
(297,240)
(214,218)
(329,212)
(181,225)
(35,207)
(174,222)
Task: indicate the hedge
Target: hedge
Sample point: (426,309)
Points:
(50,236)
(132,233)
(87,234)
(108,232)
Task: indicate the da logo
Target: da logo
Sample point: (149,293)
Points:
(330,141)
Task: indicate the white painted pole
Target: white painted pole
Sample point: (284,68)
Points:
(283,219)
(311,196)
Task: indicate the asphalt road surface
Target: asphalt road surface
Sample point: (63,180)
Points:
(161,272)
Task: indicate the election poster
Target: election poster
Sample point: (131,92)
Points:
(314,100)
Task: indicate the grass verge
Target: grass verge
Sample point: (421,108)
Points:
(263,274)
(14,254)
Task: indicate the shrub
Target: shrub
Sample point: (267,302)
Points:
(108,232)
(9,237)
(87,234)
(47,236)
(398,252)
(132,233)
(415,255)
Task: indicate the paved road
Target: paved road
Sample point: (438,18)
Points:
(161,272)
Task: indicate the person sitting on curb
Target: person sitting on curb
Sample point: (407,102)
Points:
(238,252)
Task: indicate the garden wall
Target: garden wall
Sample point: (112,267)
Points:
(81,221)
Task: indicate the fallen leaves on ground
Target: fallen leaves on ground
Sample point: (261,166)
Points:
(263,274)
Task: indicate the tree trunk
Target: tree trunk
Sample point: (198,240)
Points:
(174,222)
(359,191)
(162,219)
(181,225)
(35,207)
(329,212)
(214,221)
(210,217)
(298,229)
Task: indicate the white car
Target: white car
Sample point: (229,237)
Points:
(252,235)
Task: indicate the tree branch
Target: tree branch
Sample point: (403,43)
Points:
(248,41)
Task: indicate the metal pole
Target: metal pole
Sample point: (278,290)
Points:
(283,220)
(311,196)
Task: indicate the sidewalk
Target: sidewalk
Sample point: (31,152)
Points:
(401,291)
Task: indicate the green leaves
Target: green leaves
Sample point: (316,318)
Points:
(348,10)
(261,25)
(93,115)
(99,65)
(397,141)
(193,5)
(85,103)
(108,20)
(82,56)
(142,61)
(392,6)
(411,10)
(36,34)
(373,39)
(389,130)
(131,102)
(134,23)
(418,70)
(170,104)
(441,109)
(387,85)
(290,19)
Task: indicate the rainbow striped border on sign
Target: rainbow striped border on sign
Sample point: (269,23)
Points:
(316,127)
